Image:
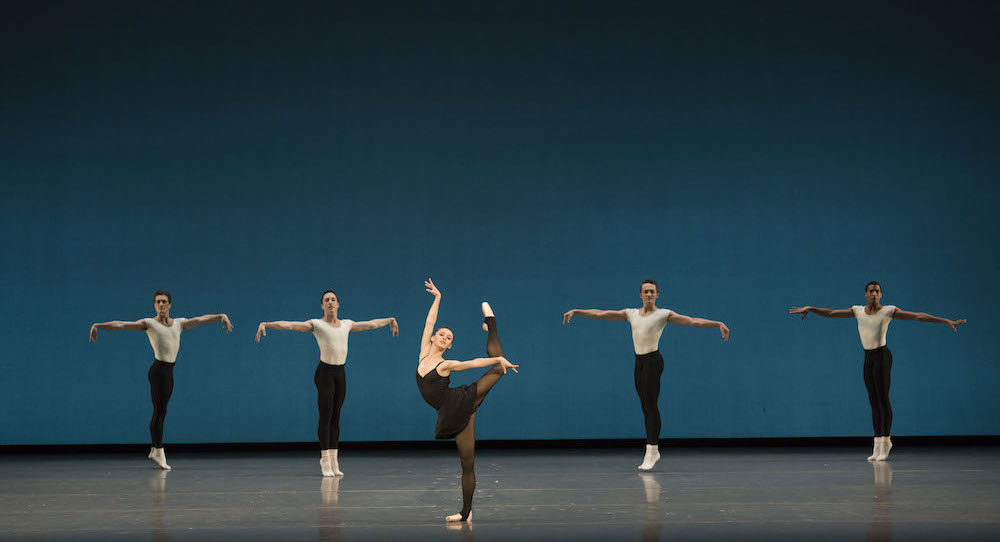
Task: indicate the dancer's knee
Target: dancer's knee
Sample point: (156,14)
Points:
(468,464)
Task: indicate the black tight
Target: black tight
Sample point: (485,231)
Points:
(648,368)
(466,440)
(161,385)
(878,364)
(331,388)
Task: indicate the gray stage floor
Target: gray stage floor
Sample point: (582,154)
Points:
(930,493)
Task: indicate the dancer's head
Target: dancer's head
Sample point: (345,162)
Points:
(442,338)
(161,302)
(873,293)
(330,303)
(648,292)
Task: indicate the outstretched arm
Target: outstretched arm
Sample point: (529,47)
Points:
(377,323)
(454,366)
(283,325)
(432,316)
(207,318)
(596,314)
(924,317)
(682,320)
(829,313)
(138,325)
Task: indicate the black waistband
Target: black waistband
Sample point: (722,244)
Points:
(649,355)
(879,349)
(167,363)
(324,364)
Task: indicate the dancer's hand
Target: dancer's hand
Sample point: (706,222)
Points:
(226,323)
(724,330)
(429,284)
(953,324)
(504,365)
(568,315)
(93,333)
(804,311)
(393,327)
(261,332)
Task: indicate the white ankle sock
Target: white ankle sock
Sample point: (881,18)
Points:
(160,458)
(324,463)
(883,453)
(876,448)
(334,464)
(652,456)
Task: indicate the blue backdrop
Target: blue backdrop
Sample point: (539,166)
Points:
(247,156)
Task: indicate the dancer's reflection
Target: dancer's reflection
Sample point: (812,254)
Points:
(158,524)
(463,527)
(653,528)
(329,525)
(880,525)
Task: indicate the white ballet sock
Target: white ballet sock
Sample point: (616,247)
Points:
(877,444)
(324,463)
(884,450)
(334,464)
(652,456)
(160,458)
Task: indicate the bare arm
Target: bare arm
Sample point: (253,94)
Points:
(597,314)
(377,323)
(208,318)
(924,317)
(432,316)
(116,325)
(478,363)
(682,320)
(829,313)
(282,325)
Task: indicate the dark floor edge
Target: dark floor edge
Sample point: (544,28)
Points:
(802,442)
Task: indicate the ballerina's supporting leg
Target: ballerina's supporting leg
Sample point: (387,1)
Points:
(466,442)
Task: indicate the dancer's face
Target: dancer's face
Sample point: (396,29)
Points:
(330,303)
(162,305)
(648,293)
(442,339)
(873,294)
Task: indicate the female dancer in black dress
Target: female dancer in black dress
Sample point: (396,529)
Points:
(456,407)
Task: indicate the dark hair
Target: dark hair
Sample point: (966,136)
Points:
(329,292)
(649,281)
(163,292)
(875,283)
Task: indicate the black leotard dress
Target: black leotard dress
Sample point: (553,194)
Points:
(454,405)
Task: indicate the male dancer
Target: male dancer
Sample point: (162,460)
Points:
(873,324)
(165,337)
(647,326)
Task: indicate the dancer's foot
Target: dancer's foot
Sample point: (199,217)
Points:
(324,466)
(461,516)
(487,313)
(652,456)
(875,449)
(160,458)
(334,464)
(884,452)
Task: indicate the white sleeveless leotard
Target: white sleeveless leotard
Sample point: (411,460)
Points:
(646,330)
(332,340)
(873,327)
(165,340)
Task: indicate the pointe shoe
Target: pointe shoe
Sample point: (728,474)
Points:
(325,467)
(160,458)
(884,451)
(457,517)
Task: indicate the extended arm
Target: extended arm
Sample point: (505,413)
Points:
(377,323)
(596,314)
(454,366)
(207,318)
(432,316)
(682,320)
(283,325)
(900,314)
(829,313)
(116,325)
